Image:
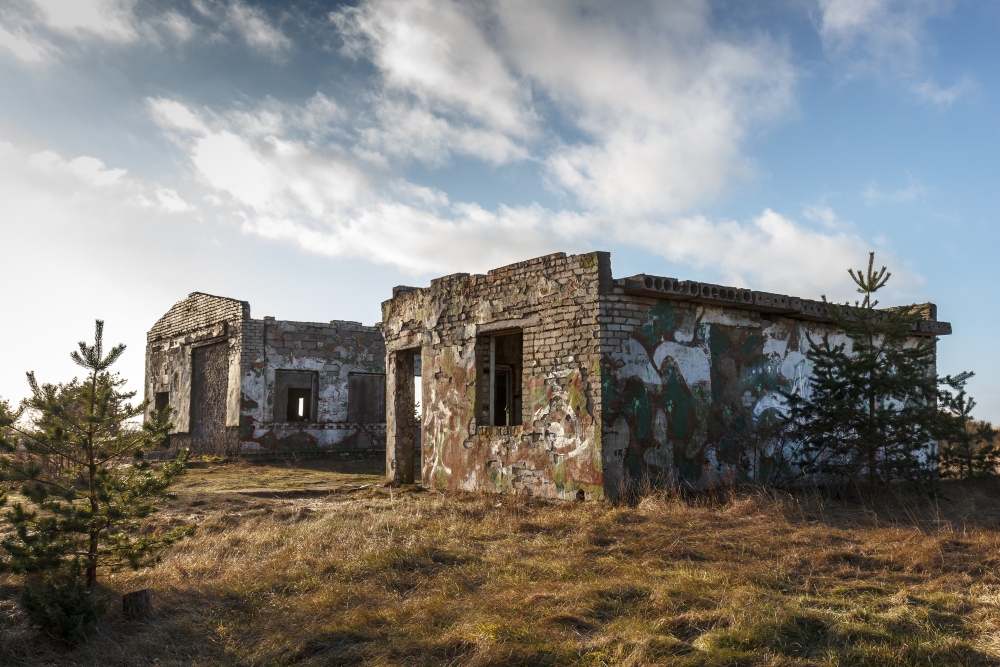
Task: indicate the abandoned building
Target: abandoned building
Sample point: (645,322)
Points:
(240,386)
(550,377)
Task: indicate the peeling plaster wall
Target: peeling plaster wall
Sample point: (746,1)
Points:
(617,385)
(333,351)
(198,320)
(684,380)
(255,349)
(554,301)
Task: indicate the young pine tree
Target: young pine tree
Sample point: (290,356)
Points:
(967,447)
(74,454)
(870,415)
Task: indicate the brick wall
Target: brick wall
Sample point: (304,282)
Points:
(242,375)
(200,319)
(332,351)
(554,302)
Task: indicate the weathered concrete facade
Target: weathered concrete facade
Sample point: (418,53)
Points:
(240,386)
(549,377)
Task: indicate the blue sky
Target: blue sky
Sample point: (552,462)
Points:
(307,157)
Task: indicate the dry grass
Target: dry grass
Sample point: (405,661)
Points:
(423,579)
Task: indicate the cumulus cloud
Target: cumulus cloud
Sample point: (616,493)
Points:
(662,100)
(437,51)
(772,252)
(658,103)
(321,199)
(637,114)
(325,200)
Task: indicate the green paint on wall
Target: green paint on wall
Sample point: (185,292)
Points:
(660,320)
(636,409)
(718,342)
(679,404)
(609,395)
(751,343)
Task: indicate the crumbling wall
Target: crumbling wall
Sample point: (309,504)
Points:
(554,302)
(621,380)
(333,352)
(686,383)
(207,327)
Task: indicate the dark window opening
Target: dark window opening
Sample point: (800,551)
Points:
(299,405)
(366,398)
(499,385)
(295,395)
(161,399)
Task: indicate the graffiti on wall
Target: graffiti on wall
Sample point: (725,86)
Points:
(682,390)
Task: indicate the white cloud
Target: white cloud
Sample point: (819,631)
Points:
(915,191)
(645,116)
(38,30)
(930,92)
(657,102)
(171,202)
(175,24)
(22,46)
(888,39)
(324,201)
(107,19)
(407,131)
(773,252)
(436,51)
(81,240)
(253,25)
(663,100)
(875,35)
(89,170)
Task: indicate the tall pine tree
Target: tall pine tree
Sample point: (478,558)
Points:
(74,455)
(870,414)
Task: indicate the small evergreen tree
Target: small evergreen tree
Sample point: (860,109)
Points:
(870,415)
(967,448)
(74,452)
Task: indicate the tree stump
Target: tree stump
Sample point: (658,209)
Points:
(138,604)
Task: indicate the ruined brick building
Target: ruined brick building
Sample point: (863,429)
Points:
(552,378)
(240,386)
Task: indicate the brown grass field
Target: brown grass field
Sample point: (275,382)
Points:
(310,564)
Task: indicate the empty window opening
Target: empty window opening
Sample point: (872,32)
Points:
(295,395)
(299,405)
(366,398)
(499,391)
(161,399)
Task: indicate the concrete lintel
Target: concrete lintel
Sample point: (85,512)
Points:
(504,325)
